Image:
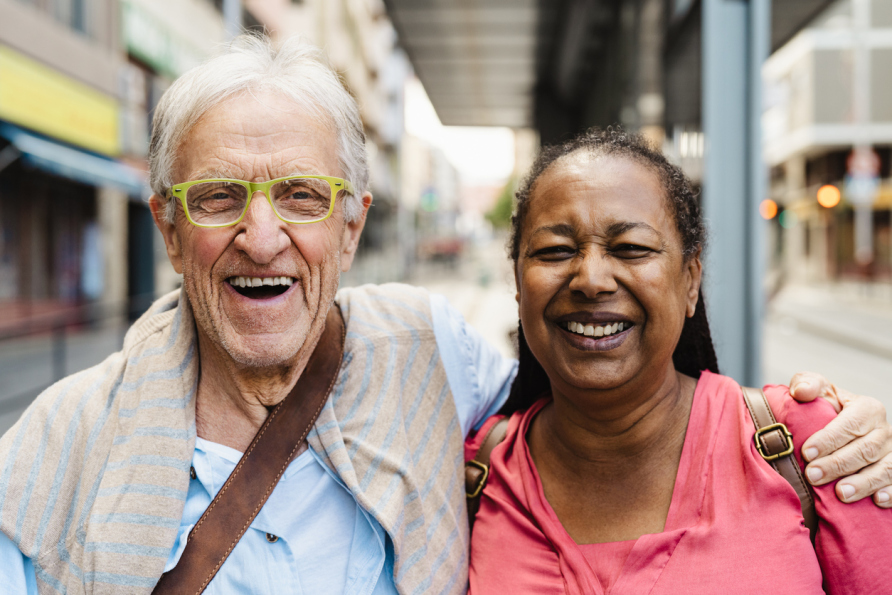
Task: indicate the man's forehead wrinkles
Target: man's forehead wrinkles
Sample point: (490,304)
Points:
(259,168)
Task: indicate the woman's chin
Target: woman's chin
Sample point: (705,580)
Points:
(602,376)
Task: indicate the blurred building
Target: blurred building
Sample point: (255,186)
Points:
(65,191)
(829,90)
(431,191)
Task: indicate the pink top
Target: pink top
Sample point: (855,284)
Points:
(607,559)
(734,524)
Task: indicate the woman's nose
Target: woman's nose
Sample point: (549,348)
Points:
(593,275)
(263,235)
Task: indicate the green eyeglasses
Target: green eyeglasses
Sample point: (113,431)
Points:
(223,202)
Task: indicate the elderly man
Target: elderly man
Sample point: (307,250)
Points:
(260,180)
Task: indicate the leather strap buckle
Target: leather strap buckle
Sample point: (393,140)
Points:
(783,433)
(481,480)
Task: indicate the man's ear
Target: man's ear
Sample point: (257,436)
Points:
(168,231)
(352,232)
(694,270)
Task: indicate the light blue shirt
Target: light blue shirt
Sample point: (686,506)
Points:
(311,536)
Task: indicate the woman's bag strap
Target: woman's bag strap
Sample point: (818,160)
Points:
(775,443)
(477,469)
(252,481)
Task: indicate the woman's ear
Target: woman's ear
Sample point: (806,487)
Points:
(694,270)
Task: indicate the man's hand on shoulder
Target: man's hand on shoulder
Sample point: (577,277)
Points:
(856,445)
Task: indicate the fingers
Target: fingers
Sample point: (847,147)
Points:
(874,479)
(859,454)
(806,386)
(859,417)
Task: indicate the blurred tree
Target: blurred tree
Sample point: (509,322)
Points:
(500,214)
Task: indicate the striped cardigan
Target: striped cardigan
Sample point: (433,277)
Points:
(95,473)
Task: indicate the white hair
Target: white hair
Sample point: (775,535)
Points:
(296,68)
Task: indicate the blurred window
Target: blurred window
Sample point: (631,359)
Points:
(881,84)
(881,13)
(838,17)
(79,15)
(833,86)
(71,13)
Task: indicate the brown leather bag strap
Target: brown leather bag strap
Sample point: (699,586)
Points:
(257,473)
(477,469)
(775,443)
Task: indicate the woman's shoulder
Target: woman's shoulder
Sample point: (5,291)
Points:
(477,437)
(808,417)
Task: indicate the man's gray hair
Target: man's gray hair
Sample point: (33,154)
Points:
(296,68)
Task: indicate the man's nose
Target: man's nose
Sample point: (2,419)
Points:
(593,274)
(263,234)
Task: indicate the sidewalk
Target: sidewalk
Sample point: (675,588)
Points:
(30,364)
(858,316)
(841,331)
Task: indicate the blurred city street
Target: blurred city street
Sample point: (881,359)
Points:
(796,187)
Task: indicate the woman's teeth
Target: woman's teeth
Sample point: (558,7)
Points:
(590,330)
(258,282)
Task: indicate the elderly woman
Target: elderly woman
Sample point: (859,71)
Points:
(629,464)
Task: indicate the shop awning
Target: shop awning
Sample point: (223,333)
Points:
(75,164)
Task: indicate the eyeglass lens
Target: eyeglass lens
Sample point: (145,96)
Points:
(295,199)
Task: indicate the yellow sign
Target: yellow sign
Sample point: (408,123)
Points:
(37,97)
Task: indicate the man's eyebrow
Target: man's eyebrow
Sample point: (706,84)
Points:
(621,227)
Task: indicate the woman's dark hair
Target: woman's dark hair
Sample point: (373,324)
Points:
(695,351)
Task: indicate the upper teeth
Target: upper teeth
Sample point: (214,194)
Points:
(258,281)
(590,330)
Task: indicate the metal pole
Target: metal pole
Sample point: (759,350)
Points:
(861,103)
(232,18)
(759,50)
(735,43)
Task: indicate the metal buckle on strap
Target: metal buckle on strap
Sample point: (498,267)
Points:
(762,449)
(480,482)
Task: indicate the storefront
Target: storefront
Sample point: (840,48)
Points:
(63,196)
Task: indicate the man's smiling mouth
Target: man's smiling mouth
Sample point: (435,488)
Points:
(259,288)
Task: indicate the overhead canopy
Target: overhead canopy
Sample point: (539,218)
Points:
(556,65)
(476,59)
(72,163)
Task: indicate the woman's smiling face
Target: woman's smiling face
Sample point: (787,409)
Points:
(603,283)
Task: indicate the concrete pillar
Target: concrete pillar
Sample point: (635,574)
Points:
(795,269)
(111,208)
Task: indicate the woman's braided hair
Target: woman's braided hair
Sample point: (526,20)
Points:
(695,351)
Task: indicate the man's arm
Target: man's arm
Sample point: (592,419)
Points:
(479,376)
(16,570)
(857,443)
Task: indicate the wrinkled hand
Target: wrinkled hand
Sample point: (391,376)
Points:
(857,443)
